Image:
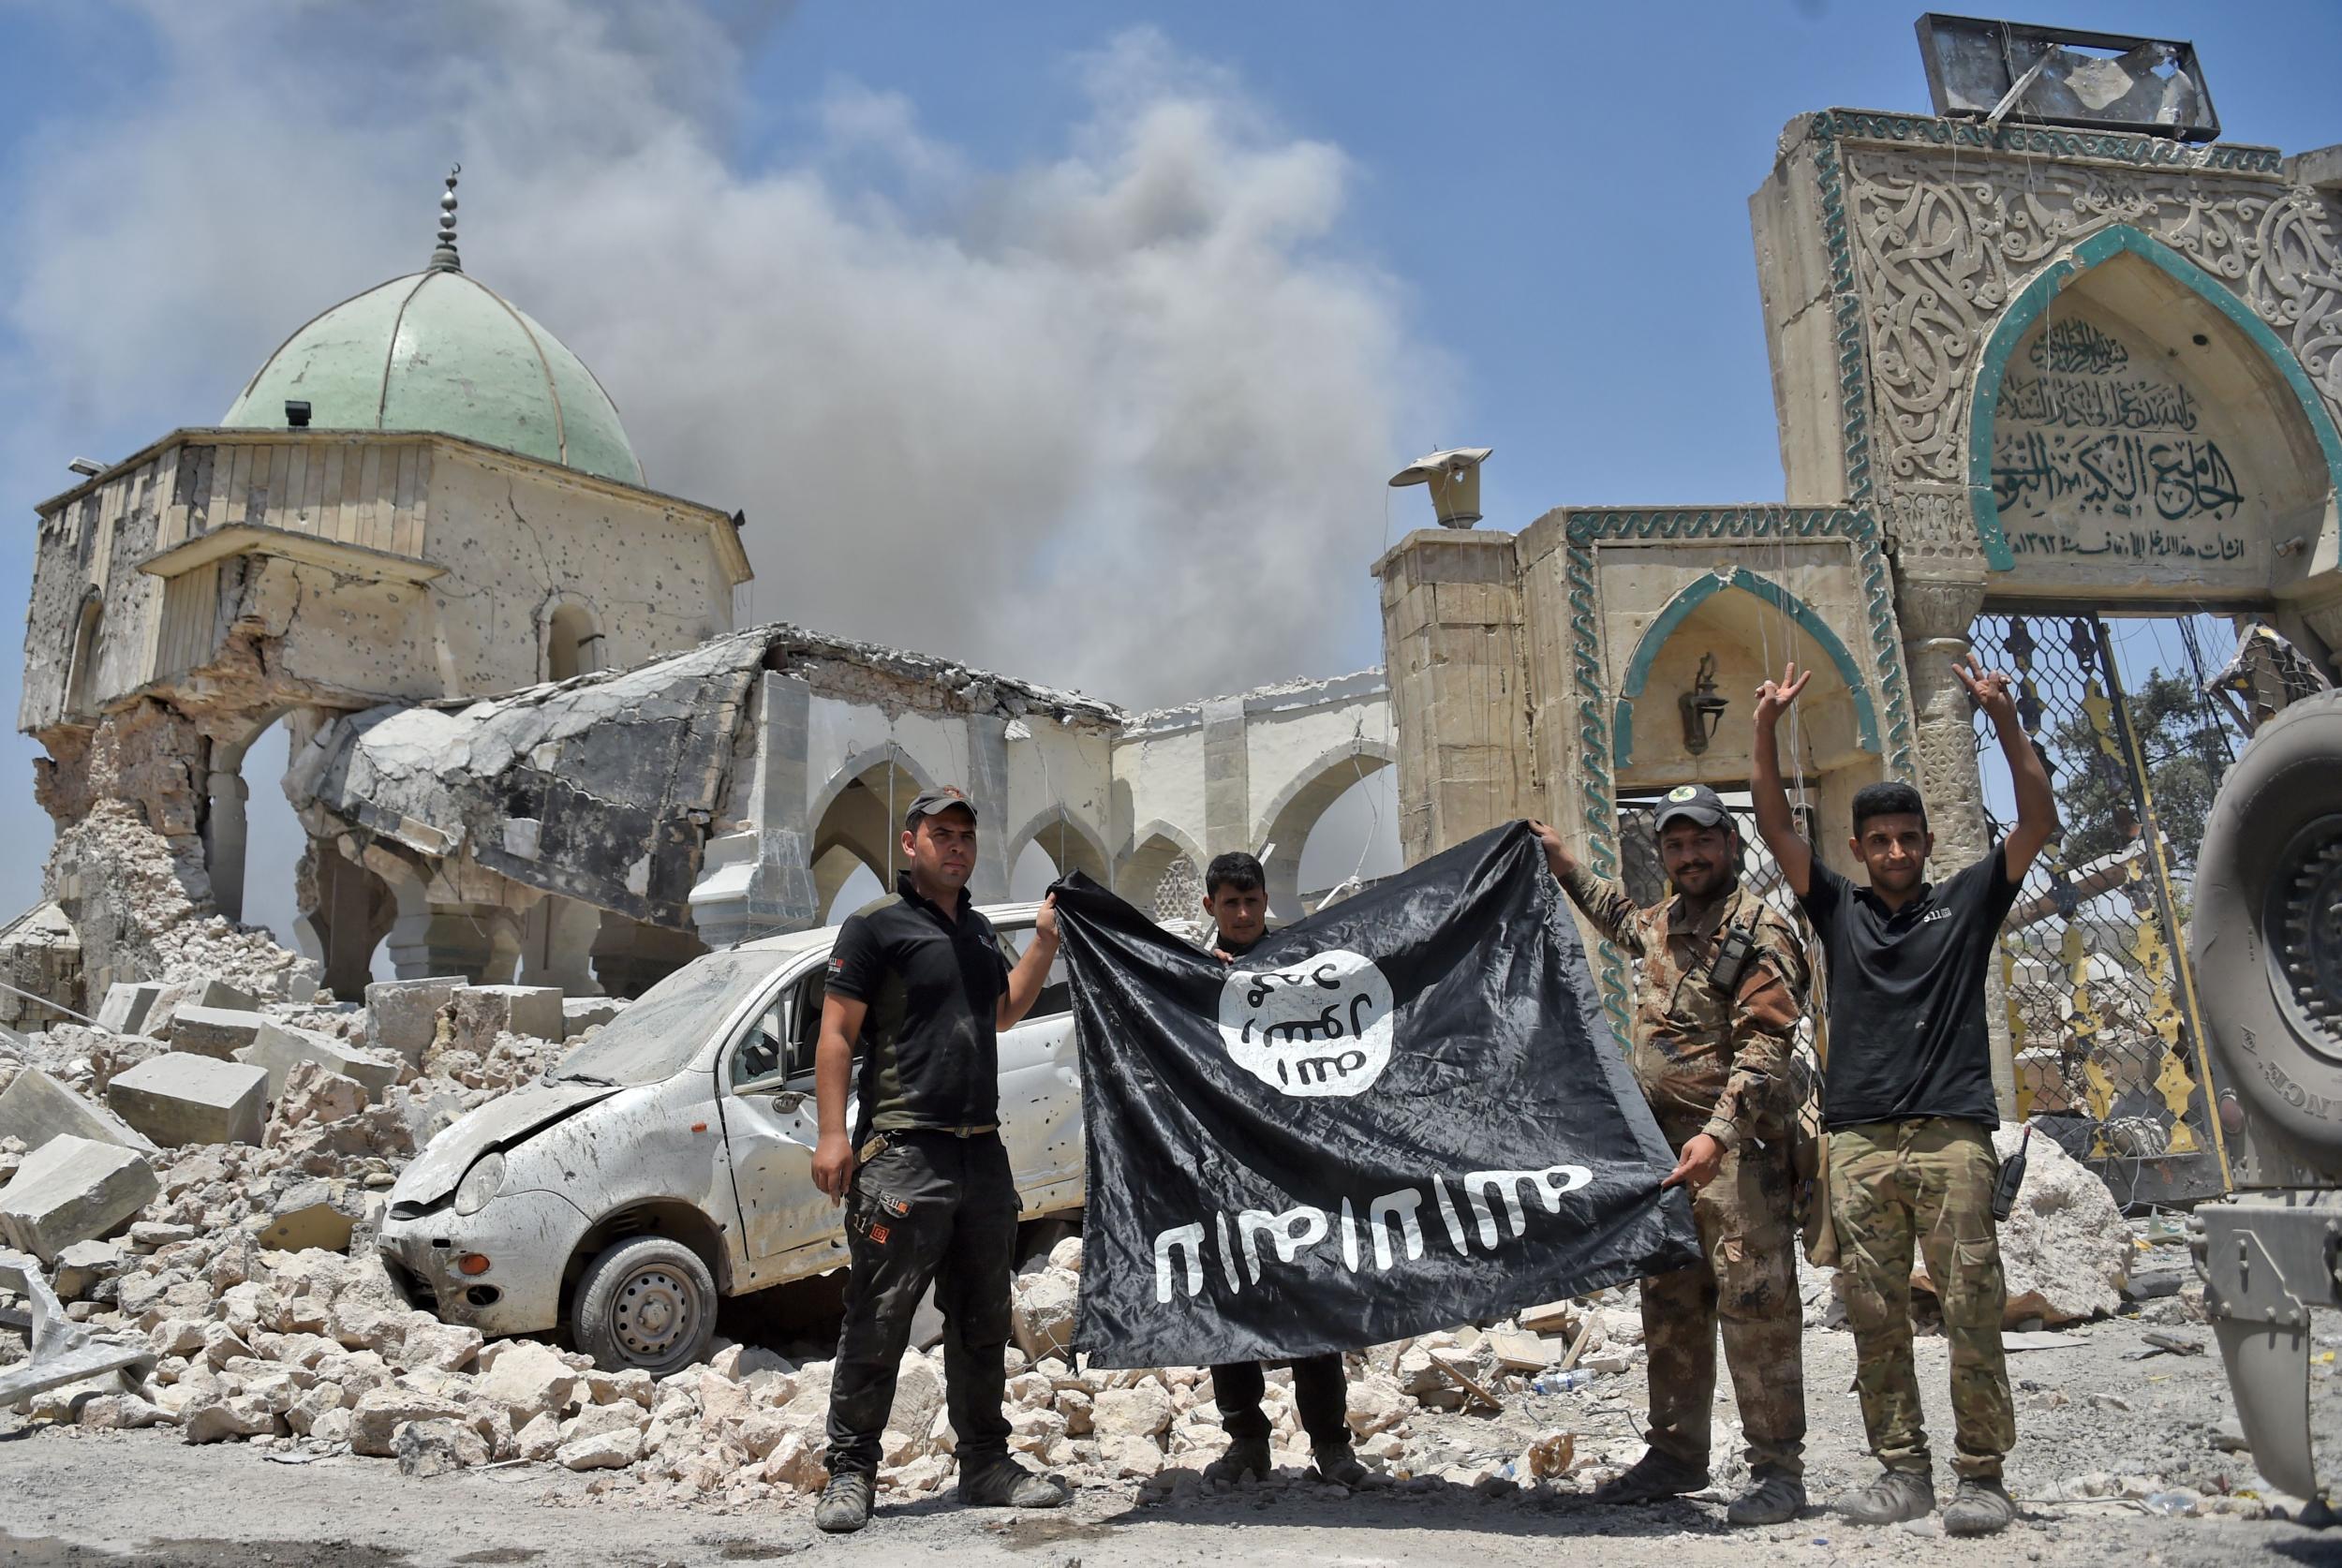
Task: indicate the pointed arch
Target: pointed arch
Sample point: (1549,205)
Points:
(1153,849)
(1284,828)
(2033,299)
(1078,849)
(866,762)
(1690,598)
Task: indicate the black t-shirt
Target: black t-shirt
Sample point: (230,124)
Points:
(930,1051)
(1907,1037)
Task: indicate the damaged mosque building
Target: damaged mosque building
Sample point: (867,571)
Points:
(526,740)
(2029,375)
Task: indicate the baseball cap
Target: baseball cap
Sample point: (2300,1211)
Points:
(1694,801)
(930,802)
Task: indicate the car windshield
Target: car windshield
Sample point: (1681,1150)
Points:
(651,1040)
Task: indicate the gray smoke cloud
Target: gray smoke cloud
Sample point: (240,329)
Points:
(1116,419)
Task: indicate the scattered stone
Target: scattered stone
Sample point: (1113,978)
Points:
(319,1216)
(481,1013)
(403,1015)
(603,1450)
(279,1049)
(529,1380)
(72,1190)
(379,1412)
(126,1005)
(435,1448)
(36,1107)
(1042,1307)
(217,1032)
(83,1265)
(180,1098)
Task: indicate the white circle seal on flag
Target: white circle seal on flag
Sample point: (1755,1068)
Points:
(1319,1026)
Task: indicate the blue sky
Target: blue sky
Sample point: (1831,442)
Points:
(1521,225)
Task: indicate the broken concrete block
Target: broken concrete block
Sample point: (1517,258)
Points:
(580,1014)
(212,1419)
(403,1015)
(607,1451)
(83,1265)
(2065,1252)
(316,1215)
(375,1420)
(1042,1314)
(279,1048)
(218,1032)
(72,1190)
(428,1448)
(180,1098)
(1554,1317)
(126,1005)
(528,1379)
(481,1013)
(36,1108)
(1524,1352)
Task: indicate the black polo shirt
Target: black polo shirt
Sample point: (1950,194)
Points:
(1908,1036)
(930,1053)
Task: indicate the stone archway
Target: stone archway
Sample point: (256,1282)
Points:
(857,819)
(1284,828)
(1067,842)
(1164,864)
(2070,397)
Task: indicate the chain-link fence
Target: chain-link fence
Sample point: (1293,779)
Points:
(2093,959)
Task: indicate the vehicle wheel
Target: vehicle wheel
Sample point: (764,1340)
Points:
(2267,927)
(644,1302)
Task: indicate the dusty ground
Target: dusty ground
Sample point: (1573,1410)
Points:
(74,1496)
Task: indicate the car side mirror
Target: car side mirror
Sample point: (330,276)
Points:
(776,1085)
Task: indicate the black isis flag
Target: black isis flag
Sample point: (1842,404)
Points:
(1403,1113)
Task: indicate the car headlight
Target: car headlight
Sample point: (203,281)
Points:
(480,1184)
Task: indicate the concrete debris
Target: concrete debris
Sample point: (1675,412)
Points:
(178,1098)
(2064,1249)
(83,1265)
(1042,1308)
(403,1015)
(36,1107)
(478,1014)
(218,1032)
(40,954)
(279,1048)
(72,1190)
(128,1004)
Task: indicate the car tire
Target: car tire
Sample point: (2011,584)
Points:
(2267,946)
(646,1302)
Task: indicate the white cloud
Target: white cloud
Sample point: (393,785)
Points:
(1116,419)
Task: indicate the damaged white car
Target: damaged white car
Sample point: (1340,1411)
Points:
(668,1162)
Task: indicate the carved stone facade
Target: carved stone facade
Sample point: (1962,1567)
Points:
(2011,365)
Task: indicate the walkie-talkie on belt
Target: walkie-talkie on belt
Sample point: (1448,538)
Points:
(2011,1177)
(1732,955)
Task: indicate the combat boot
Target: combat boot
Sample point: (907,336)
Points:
(1652,1478)
(1980,1507)
(1775,1499)
(1894,1497)
(1243,1457)
(1335,1463)
(845,1505)
(1005,1483)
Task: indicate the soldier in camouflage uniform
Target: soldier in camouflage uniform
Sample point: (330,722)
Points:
(1710,1051)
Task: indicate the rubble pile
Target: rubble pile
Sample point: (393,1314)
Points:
(205,1174)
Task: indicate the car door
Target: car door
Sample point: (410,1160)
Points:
(1041,1112)
(764,1082)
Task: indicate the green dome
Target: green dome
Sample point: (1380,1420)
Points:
(438,350)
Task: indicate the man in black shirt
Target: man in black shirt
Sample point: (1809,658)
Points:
(1236,899)
(1909,1103)
(919,981)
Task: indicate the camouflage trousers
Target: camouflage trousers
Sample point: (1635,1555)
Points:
(1925,1184)
(1747,1287)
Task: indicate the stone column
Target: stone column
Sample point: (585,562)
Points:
(758,881)
(557,945)
(478,941)
(988,786)
(224,839)
(1455,655)
(1228,779)
(1935,615)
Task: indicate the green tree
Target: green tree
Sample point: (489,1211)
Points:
(2182,735)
